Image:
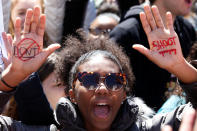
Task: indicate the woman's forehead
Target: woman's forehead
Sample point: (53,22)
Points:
(99,64)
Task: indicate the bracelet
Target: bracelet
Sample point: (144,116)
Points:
(6,83)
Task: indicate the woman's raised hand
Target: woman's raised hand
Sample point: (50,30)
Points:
(165,50)
(28,53)
(7,38)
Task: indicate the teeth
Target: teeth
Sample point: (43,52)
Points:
(101,104)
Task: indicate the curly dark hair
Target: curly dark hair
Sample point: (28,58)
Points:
(192,57)
(193,52)
(75,47)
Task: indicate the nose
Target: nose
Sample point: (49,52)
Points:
(102,89)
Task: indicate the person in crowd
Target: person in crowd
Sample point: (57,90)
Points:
(52,86)
(108,7)
(130,31)
(54,22)
(34,101)
(192,17)
(37,32)
(24,113)
(107,18)
(100,81)
(178,97)
(189,122)
(189,119)
(5,96)
(22,107)
(19,9)
(71,15)
(24,101)
(125,5)
(90,14)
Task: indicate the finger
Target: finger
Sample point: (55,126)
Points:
(145,24)
(9,50)
(6,43)
(9,36)
(157,17)
(5,39)
(5,61)
(150,17)
(142,50)
(41,26)
(46,52)
(17,28)
(42,56)
(166,128)
(36,15)
(28,21)
(169,21)
(195,125)
(50,49)
(188,121)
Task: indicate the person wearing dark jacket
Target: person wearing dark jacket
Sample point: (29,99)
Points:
(74,16)
(150,79)
(32,100)
(4,99)
(32,103)
(64,17)
(100,79)
(124,5)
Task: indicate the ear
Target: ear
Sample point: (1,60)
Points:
(72,96)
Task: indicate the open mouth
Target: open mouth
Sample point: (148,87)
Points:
(102,110)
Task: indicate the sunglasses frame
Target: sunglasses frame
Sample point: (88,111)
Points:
(103,77)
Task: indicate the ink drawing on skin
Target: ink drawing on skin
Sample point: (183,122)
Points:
(3,52)
(26,49)
(161,46)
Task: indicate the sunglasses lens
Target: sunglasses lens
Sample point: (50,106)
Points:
(90,80)
(114,82)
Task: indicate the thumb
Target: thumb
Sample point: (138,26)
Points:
(50,49)
(143,50)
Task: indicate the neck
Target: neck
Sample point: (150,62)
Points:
(97,130)
(163,10)
(91,128)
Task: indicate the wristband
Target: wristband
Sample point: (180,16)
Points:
(6,83)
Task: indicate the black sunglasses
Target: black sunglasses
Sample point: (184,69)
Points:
(91,80)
